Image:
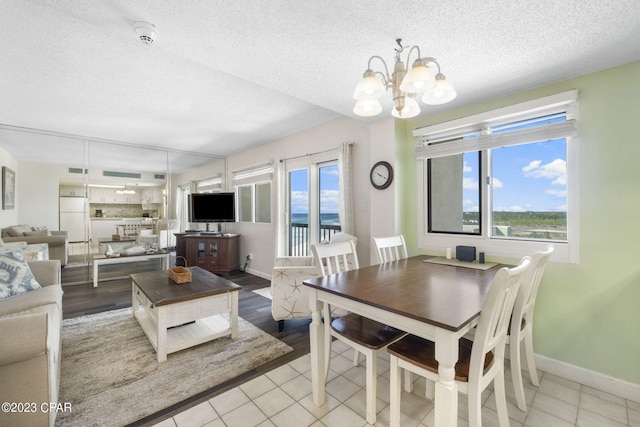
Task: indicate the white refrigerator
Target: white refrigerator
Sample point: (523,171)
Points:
(73,217)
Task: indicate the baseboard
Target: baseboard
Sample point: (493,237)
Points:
(615,386)
(258,273)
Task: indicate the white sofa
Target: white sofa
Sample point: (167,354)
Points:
(30,337)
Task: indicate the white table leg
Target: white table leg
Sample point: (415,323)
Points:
(233,315)
(446,390)
(316,336)
(161,351)
(95,273)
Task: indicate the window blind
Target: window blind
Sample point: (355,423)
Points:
(259,173)
(474,133)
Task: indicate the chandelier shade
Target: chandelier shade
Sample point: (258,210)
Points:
(367,107)
(405,84)
(370,87)
(410,109)
(419,78)
(442,93)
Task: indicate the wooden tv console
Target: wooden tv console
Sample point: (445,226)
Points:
(218,254)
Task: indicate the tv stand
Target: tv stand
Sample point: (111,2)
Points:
(217,253)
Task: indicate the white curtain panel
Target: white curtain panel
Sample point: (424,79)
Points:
(345,170)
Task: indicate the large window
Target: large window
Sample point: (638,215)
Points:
(504,181)
(313,199)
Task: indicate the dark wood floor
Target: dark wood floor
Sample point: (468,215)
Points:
(81,298)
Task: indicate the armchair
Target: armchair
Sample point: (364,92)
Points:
(289,297)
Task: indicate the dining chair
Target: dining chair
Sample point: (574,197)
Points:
(390,248)
(364,335)
(521,328)
(480,362)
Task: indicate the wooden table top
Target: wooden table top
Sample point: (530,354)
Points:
(161,290)
(445,296)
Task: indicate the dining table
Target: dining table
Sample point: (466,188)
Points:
(438,302)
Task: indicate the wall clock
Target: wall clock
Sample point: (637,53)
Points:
(381,175)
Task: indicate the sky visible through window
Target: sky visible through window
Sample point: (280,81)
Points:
(328,190)
(528,177)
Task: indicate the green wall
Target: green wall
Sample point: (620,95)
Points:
(587,314)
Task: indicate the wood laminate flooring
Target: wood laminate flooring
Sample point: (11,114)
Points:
(81,298)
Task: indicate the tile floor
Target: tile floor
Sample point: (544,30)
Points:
(282,398)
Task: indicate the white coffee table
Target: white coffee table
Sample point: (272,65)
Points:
(175,317)
(99,260)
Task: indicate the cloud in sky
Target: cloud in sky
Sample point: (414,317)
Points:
(555,171)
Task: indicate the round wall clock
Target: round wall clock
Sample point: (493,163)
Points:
(381,175)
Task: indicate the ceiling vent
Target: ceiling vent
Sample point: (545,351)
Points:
(121,174)
(159,176)
(147,32)
(78,171)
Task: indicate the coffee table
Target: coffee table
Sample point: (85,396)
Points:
(99,260)
(175,317)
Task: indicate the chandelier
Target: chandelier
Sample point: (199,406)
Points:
(405,86)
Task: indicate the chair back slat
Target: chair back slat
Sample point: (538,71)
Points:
(491,332)
(526,300)
(335,257)
(391,248)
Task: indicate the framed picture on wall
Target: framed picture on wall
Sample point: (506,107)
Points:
(8,188)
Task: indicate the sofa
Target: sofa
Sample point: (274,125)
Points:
(30,333)
(58,241)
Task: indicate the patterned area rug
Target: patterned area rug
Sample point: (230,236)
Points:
(110,376)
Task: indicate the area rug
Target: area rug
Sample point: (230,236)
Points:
(110,376)
(264,292)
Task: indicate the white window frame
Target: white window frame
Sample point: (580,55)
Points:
(565,251)
(249,177)
(312,164)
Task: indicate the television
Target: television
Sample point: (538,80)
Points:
(212,207)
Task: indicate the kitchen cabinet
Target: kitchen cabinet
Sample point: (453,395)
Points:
(151,195)
(217,254)
(71,191)
(110,195)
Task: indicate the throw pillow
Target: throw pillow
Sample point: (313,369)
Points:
(18,230)
(15,275)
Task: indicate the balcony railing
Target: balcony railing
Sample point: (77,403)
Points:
(299,237)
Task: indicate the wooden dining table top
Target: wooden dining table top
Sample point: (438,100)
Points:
(445,296)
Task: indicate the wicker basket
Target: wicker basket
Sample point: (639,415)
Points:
(180,275)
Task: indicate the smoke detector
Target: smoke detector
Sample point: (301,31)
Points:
(147,32)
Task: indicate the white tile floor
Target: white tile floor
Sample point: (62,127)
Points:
(283,398)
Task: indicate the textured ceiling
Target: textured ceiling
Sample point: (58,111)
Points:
(226,76)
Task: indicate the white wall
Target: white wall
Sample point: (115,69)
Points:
(382,202)
(37,185)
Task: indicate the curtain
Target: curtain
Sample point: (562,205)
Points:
(345,171)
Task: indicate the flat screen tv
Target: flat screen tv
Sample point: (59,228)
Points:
(212,207)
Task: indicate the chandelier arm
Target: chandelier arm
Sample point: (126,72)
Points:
(409,55)
(431,60)
(386,78)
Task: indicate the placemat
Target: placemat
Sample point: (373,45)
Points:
(457,263)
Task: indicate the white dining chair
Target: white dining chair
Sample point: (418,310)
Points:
(521,329)
(480,362)
(390,248)
(364,335)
